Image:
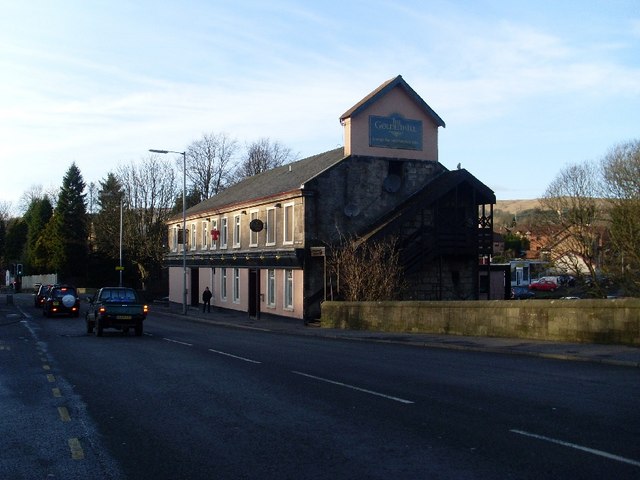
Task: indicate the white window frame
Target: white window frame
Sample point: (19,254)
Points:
(236,231)
(193,237)
(224,232)
(287,230)
(287,301)
(271,227)
(271,288)
(236,285)
(253,236)
(205,234)
(214,226)
(174,241)
(223,284)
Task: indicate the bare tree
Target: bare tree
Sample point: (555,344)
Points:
(5,211)
(149,193)
(209,163)
(621,172)
(575,220)
(263,155)
(33,193)
(367,271)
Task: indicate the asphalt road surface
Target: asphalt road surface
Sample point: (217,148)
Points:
(195,401)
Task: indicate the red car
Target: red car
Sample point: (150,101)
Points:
(543,285)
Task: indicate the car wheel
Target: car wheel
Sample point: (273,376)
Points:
(139,329)
(99,328)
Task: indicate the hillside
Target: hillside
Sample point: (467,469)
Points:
(516,206)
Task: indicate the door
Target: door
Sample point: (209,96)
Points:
(195,287)
(254,293)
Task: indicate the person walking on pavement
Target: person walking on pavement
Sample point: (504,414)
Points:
(206,300)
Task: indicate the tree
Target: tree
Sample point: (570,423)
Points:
(37,216)
(5,209)
(367,271)
(575,219)
(71,254)
(150,190)
(262,155)
(208,164)
(106,223)
(15,240)
(621,173)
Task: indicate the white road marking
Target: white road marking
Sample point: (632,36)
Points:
(176,341)
(244,359)
(371,392)
(579,447)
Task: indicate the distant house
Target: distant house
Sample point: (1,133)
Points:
(262,244)
(498,243)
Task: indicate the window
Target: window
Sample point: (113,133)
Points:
(224,232)
(288,289)
(236,231)
(253,236)
(205,235)
(214,238)
(288,224)
(223,284)
(271,287)
(236,285)
(271,226)
(174,242)
(193,239)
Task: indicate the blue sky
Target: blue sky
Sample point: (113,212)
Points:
(524,87)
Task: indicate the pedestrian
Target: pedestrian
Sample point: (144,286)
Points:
(206,300)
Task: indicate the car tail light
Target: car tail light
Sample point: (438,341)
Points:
(102,310)
(145,309)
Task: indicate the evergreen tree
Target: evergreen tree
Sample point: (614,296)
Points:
(37,216)
(14,241)
(106,223)
(71,224)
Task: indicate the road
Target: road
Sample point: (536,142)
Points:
(195,401)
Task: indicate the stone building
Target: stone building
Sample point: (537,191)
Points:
(259,245)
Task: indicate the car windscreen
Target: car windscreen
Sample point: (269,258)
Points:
(119,295)
(61,292)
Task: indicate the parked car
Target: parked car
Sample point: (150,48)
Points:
(40,295)
(521,292)
(566,280)
(61,299)
(116,307)
(543,284)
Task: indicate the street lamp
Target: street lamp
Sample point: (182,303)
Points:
(120,267)
(184,224)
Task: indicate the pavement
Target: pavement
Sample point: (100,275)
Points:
(619,355)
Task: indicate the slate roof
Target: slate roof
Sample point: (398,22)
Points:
(285,178)
(383,90)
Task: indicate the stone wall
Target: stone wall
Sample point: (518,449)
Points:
(611,321)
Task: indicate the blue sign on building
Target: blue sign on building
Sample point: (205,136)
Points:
(395,131)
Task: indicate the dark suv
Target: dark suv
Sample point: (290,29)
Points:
(61,299)
(41,294)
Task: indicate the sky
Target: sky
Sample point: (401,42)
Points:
(525,88)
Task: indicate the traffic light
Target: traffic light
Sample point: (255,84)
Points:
(19,269)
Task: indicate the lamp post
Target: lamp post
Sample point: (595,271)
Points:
(184,224)
(120,267)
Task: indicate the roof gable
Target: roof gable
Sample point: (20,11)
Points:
(383,90)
